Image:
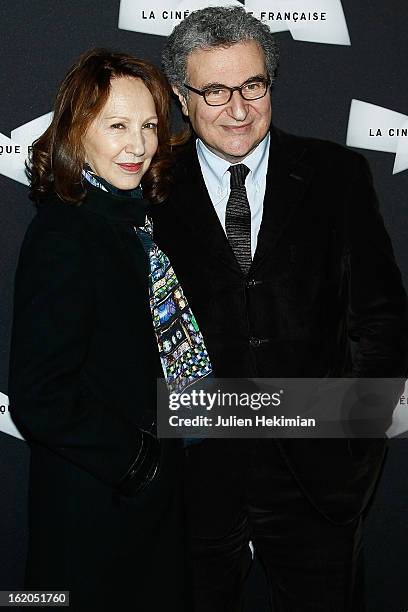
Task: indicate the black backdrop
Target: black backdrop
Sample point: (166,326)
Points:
(39,40)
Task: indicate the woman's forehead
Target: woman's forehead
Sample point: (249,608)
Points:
(128,95)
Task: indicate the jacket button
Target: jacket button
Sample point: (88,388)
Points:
(252,282)
(255,342)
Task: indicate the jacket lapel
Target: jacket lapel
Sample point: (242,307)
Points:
(287,180)
(194,206)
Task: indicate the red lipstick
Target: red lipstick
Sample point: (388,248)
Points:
(131,167)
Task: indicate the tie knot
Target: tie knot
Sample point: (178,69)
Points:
(239,172)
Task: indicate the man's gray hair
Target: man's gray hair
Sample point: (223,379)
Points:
(215,26)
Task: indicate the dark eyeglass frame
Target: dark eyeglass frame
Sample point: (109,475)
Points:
(202,92)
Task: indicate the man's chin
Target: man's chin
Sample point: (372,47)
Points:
(234,150)
(233,154)
(236,155)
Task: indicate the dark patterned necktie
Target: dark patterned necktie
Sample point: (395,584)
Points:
(238,217)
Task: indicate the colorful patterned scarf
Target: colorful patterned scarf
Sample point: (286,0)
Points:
(181,345)
(182,351)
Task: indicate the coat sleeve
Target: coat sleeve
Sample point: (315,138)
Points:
(52,327)
(377,319)
(377,314)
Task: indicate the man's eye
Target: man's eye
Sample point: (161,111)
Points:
(254,86)
(219,91)
(150,125)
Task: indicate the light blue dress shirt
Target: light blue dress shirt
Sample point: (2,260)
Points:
(217,180)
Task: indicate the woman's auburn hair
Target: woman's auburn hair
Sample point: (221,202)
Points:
(57,157)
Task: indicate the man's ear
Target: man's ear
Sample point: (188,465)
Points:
(183,101)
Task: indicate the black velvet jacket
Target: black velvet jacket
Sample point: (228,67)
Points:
(323,296)
(84,358)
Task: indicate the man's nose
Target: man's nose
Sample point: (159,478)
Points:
(135,144)
(238,107)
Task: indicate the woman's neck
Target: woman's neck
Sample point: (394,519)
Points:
(101,183)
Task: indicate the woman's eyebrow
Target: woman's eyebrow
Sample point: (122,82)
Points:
(123,117)
(116,117)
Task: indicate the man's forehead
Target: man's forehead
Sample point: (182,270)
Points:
(229,65)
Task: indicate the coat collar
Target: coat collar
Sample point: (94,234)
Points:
(115,208)
(288,177)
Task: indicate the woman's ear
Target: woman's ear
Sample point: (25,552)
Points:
(182,100)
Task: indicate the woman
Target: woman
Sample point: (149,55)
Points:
(105,496)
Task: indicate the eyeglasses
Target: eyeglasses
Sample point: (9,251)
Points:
(217,95)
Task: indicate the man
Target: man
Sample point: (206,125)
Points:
(282,253)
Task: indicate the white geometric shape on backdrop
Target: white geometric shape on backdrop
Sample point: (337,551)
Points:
(332,30)
(12,165)
(379,129)
(6,424)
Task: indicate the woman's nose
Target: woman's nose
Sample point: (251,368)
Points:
(136,144)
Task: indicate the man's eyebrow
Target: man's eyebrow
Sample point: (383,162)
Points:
(256,77)
(213,84)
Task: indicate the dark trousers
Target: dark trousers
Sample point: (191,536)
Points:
(241,491)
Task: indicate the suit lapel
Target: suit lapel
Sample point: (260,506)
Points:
(286,182)
(194,205)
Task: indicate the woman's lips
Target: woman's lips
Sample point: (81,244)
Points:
(131,167)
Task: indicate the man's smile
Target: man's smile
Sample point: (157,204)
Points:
(237,129)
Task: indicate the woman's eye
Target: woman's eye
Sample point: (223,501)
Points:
(150,125)
(117,126)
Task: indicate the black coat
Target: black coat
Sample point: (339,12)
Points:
(323,297)
(82,386)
